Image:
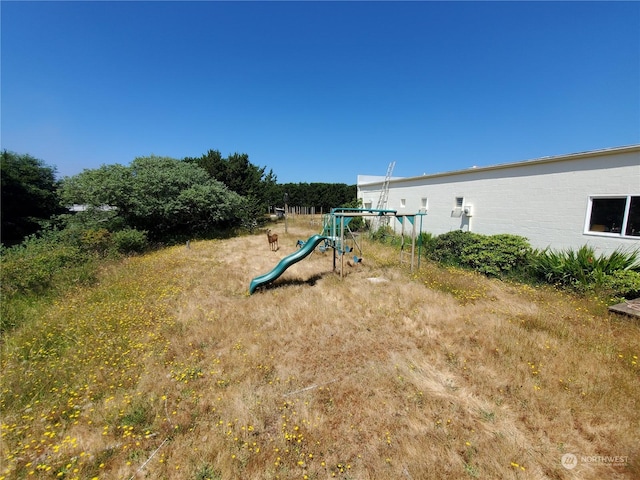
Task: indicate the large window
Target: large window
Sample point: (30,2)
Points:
(615,215)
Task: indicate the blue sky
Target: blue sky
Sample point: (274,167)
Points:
(319,91)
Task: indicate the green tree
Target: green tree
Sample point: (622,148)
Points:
(160,195)
(28,196)
(240,176)
(213,163)
(108,185)
(323,196)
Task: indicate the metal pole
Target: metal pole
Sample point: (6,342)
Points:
(420,243)
(401,218)
(332,234)
(334,256)
(413,243)
(342,246)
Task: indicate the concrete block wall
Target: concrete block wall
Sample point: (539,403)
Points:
(543,200)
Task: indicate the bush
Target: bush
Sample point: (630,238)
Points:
(448,247)
(382,234)
(426,241)
(37,268)
(624,284)
(98,240)
(32,266)
(496,255)
(130,241)
(616,276)
(493,255)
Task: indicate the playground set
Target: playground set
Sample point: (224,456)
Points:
(335,235)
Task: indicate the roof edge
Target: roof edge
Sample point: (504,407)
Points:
(535,161)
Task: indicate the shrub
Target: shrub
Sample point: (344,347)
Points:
(382,234)
(130,241)
(32,266)
(98,240)
(448,247)
(616,275)
(496,255)
(36,268)
(426,241)
(623,283)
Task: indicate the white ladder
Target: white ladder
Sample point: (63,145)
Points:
(384,193)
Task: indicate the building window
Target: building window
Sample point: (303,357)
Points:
(459,202)
(619,215)
(403,202)
(424,204)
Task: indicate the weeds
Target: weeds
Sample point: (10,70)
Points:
(44,267)
(166,369)
(613,277)
(207,472)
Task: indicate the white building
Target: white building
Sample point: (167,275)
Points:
(561,202)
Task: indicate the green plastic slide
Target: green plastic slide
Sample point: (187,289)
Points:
(308,247)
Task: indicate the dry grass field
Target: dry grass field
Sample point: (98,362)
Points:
(168,369)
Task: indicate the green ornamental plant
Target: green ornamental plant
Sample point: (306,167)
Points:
(582,269)
(496,255)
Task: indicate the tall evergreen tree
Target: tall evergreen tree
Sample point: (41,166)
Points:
(29,198)
(240,176)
